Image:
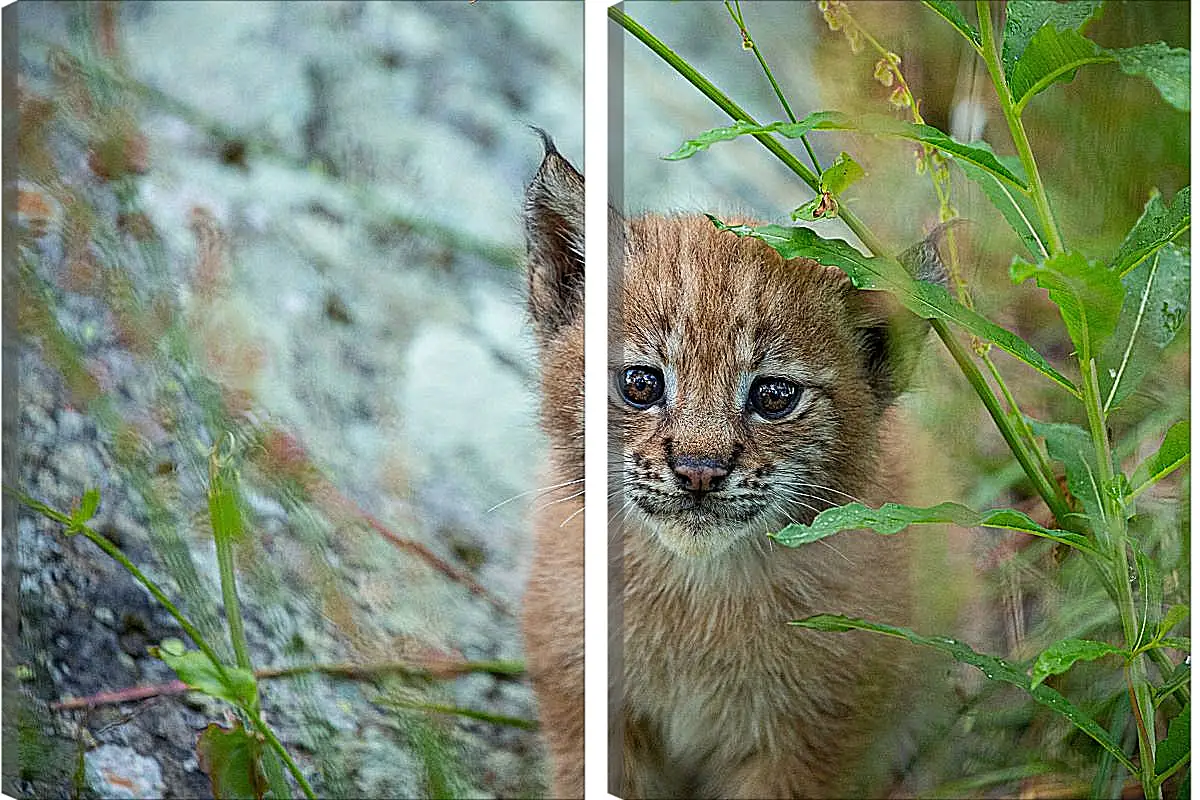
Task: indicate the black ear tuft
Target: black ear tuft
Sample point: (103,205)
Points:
(554,239)
(891,337)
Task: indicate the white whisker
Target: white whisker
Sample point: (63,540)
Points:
(572,496)
(573,515)
(540,490)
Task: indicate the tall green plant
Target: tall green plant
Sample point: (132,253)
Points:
(1119,312)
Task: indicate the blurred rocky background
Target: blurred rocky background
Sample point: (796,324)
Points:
(288,233)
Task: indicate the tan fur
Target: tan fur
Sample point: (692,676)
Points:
(553,621)
(718,696)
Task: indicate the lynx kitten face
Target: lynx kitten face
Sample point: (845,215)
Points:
(744,390)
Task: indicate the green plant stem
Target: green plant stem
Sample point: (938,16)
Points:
(117,555)
(735,11)
(719,98)
(1022,433)
(227,528)
(1037,190)
(1026,433)
(1114,539)
(405,669)
(269,735)
(1047,489)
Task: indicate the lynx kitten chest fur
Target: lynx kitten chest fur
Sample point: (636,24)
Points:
(746,393)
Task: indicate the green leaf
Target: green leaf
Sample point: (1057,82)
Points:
(1025,18)
(223,508)
(892,518)
(231,757)
(981,157)
(993,668)
(820,120)
(1088,297)
(820,207)
(1174,451)
(1052,56)
(1175,615)
(1158,225)
(1183,643)
(1179,678)
(87,506)
(841,174)
(1055,54)
(1168,68)
(198,672)
(276,780)
(1061,656)
(947,10)
(172,646)
(1016,207)
(1072,445)
(926,300)
(1156,301)
(837,177)
(1174,750)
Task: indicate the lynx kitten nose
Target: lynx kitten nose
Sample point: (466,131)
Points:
(700,474)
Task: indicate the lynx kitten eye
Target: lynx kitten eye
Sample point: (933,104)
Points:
(641,387)
(773,398)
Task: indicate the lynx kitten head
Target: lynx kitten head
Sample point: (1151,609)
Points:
(746,391)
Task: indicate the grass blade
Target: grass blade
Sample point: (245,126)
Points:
(228,529)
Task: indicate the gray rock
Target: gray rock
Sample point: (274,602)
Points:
(121,772)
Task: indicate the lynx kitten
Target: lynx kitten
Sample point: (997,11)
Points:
(747,392)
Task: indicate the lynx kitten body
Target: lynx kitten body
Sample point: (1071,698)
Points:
(746,393)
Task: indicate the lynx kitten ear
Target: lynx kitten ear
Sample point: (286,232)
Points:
(892,336)
(554,240)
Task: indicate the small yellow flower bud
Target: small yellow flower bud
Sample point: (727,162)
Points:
(883,72)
